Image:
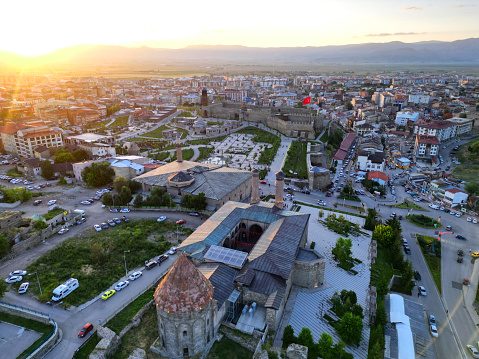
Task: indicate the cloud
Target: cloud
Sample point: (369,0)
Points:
(460,5)
(412,8)
(396,34)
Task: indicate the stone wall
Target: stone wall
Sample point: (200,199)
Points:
(309,274)
(10,219)
(136,320)
(4,205)
(108,344)
(296,351)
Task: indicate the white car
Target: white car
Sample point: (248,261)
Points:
(30,188)
(442,209)
(14,279)
(18,272)
(452,213)
(161,219)
(433,330)
(52,202)
(474,221)
(121,285)
(23,288)
(469,219)
(125,210)
(474,352)
(422,290)
(172,251)
(63,231)
(458,214)
(86,203)
(97,227)
(135,275)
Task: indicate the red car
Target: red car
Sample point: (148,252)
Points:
(85,330)
(181,221)
(262,182)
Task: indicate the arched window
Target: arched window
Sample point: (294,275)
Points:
(185,333)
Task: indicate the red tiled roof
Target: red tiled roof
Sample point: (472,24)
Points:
(347,142)
(434,124)
(184,289)
(340,154)
(455,190)
(378,174)
(12,128)
(427,139)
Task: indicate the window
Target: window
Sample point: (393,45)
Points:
(185,352)
(208,339)
(185,333)
(207,322)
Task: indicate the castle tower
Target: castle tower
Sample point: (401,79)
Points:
(279,194)
(179,153)
(186,311)
(255,187)
(204,97)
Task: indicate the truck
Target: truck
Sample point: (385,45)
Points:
(64,289)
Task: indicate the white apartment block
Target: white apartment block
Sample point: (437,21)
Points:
(443,130)
(403,117)
(463,125)
(419,99)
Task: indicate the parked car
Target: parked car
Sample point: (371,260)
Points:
(461,237)
(114,210)
(125,210)
(97,227)
(37,202)
(111,223)
(432,320)
(195,214)
(422,290)
(162,258)
(104,225)
(474,352)
(135,275)
(85,330)
(475,254)
(121,285)
(125,219)
(460,252)
(108,294)
(459,260)
(161,219)
(181,221)
(433,330)
(116,220)
(469,219)
(262,182)
(172,251)
(23,288)
(417,275)
(52,202)
(14,279)
(86,203)
(407,250)
(63,231)
(18,272)
(81,220)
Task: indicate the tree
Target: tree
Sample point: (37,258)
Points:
(349,106)
(199,201)
(383,235)
(342,251)
(376,351)
(98,174)
(47,171)
(3,287)
(407,275)
(186,201)
(62,181)
(138,202)
(125,195)
(472,187)
(134,186)
(349,328)
(119,183)
(325,344)
(107,199)
(80,155)
(63,156)
(4,245)
(39,225)
(288,336)
(305,337)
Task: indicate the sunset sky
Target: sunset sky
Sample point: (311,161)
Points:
(37,27)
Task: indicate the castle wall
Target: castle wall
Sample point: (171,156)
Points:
(309,274)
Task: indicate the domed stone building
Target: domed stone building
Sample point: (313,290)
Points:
(187,312)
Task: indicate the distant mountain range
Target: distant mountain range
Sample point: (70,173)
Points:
(396,52)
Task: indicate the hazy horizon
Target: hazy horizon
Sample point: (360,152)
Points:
(50,25)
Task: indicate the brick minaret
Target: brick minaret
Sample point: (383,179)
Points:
(279,195)
(255,187)
(179,154)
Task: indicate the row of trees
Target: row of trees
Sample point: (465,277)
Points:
(324,348)
(157,198)
(98,174)
(11,195)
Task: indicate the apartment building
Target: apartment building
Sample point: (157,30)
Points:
(403,117)
(426,147)
(463,125)
(22,140)
(443,130)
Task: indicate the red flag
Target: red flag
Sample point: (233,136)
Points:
(307,100)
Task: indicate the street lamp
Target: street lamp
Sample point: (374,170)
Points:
(38,283)
(124,258)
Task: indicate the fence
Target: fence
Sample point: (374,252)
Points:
(41,348)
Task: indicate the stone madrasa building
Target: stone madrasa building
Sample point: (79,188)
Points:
(238,266)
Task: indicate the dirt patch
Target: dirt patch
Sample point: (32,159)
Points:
(87,269)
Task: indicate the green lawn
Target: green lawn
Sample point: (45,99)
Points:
(421,220)
(157,133)
(123,318)
(84,352)
(120,122)
(267,156)
(204,152)
(296,160)
(409,205)
(227,348)
(44,329)
(187,154)
(96,258)
(324,137)
(206,141)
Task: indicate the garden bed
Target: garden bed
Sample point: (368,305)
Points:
(296,160)
(408,205)
(433,261)
(262,136)
(423,221)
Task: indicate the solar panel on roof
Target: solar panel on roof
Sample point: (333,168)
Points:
(226,255)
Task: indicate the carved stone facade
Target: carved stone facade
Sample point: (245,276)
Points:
(309,273)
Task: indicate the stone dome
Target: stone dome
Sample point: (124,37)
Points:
(184,289)
(180,179)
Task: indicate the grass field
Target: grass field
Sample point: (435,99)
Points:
(206,141)
(120,122)
(468,170)
(296,160)
(227,348)
(267,156)
(204,152)
(121,320)
(157,133)
(410,205)
(433,262)
(421,220)
(187,154)
(96,258)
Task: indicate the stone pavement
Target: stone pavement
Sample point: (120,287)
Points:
(305,308)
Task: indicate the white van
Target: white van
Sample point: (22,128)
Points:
(433,206)
(79,211)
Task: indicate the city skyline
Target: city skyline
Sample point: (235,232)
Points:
(47,27)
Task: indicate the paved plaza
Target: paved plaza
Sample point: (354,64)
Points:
(14,339)
(305,308)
